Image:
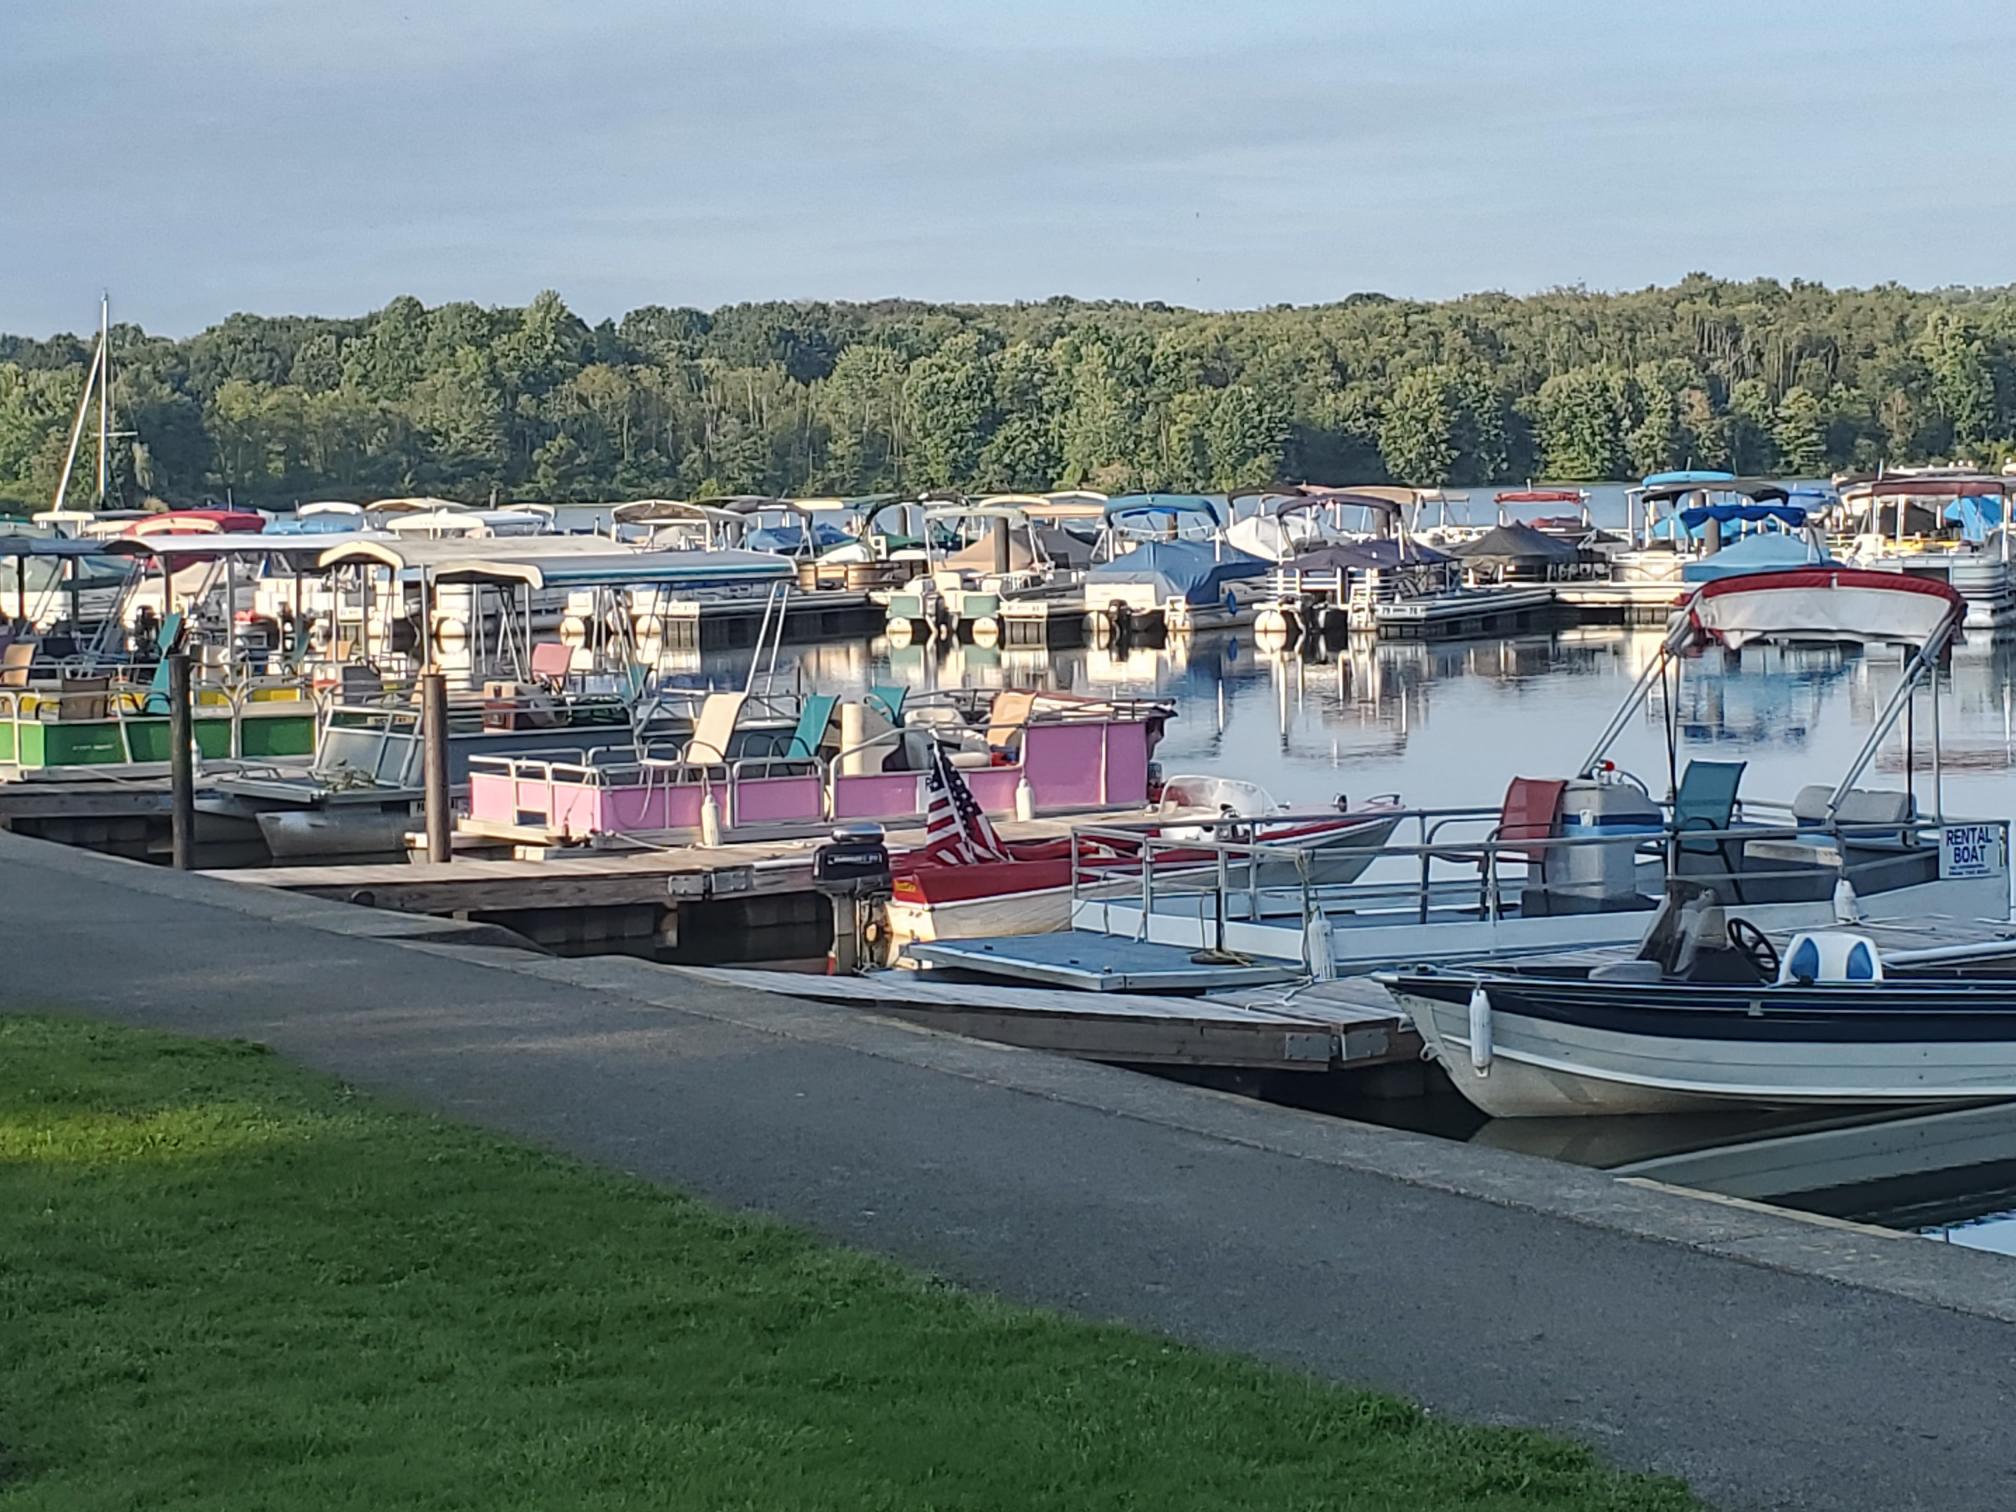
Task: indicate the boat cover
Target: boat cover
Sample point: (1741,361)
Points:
(1976,515)
(1363,556)
(1767,551)
(1193,571)
(1516,543)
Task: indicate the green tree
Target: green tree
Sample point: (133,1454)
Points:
(1580,427)
(1799,433)
(1418,434)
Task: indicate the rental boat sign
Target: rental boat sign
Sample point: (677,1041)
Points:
(1972,850)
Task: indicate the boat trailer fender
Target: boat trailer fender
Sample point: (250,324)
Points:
(1480,1030)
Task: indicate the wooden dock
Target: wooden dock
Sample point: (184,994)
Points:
(741,901)
(1315,1027)
(1620,603)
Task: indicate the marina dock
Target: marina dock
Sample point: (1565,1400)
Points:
(1325,1026)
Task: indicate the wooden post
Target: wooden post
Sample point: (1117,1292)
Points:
(434,746)
(181,764)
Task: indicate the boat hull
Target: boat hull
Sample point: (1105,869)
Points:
(1023,897)
(1588,1048)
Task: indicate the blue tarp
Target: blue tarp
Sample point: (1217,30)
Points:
(1767,551)
(1977,514)
(1194,571)
(1726,511)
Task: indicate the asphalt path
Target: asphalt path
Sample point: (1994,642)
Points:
(1769,1361)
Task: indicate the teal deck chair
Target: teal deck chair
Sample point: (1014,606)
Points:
(1706,800)
(813,718)
(155,700)
(887,700)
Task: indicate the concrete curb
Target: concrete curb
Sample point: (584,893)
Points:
(1949,1277)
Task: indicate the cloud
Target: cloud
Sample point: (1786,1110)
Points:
(206,155)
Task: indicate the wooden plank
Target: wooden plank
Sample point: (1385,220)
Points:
(504,886)
(1140,1029)
(921,988)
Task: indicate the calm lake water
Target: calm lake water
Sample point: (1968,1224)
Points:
(1450,723)
(1446,724)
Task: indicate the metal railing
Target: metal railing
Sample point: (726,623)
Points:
(1237,876)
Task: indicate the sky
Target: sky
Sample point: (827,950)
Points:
(197,157)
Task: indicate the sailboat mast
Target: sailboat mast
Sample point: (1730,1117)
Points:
(77,426)
(104,396)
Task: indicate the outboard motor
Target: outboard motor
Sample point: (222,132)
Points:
(851,870)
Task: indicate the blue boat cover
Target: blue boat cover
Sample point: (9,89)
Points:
(1165,504)
(1734,509)
(1976,514)
(1194,571)
(1767,551)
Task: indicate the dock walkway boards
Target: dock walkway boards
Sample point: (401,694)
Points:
(1318,1027)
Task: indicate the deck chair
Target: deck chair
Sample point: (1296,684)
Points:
(552,661)
(813,718)
(155,699)
(887,700)
(714,729)
(1007,719)
(1531,811)
(1706,800)
(16,662)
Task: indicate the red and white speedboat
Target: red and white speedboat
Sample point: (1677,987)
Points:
(1030,893)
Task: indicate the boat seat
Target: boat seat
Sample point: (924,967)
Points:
(714,729)
(1704,807)
(813,717)
(1531,811)
(887,699)
(1830,955)
(1007,719)
(16,662)
(1858,805)
(552,661)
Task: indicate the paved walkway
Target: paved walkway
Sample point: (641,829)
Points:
(1772,1362)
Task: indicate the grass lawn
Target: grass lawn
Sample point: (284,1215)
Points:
(227,1284)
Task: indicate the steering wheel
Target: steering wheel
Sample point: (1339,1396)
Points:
(1755,946)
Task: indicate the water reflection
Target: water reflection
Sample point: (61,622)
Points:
(1448,723)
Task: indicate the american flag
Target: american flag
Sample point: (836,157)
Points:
(955,828)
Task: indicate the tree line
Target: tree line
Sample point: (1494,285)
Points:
(535,403)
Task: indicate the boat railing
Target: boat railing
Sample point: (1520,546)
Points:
(1235,876)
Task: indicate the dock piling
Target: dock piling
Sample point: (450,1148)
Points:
(434,738)
(181,765)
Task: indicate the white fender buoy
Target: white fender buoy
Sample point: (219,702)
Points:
(1025,799)
(1319,946)
(1847,909)
(1480,1030)
(710,820)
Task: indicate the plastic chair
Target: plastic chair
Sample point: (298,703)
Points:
(1706,800)
(813,717)
(887,699)
(1531,811)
